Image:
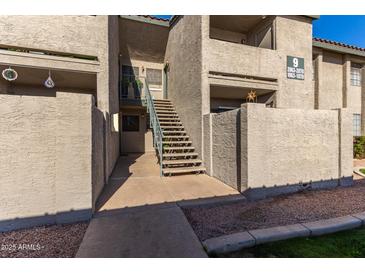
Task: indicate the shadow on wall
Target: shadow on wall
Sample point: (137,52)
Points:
(266,192)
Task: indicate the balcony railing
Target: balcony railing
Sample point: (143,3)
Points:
(154,123)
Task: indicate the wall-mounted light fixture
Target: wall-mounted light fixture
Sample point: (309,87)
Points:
(9,74)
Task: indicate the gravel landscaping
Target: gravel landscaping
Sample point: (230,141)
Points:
(214,221)
(57,241)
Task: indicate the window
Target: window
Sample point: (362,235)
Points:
(355,75)
(130,123)
(357,125)
(154,76)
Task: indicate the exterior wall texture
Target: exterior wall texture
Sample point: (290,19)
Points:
(184,54)
(291,146)
(293,38)
(225,140)
(83,35)
(46,159)
(281,147)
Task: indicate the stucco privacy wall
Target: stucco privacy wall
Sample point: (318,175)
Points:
(98,168)
(225,146)
(184,54)
(83,35)
(45,159)
(277,147)
(290,146)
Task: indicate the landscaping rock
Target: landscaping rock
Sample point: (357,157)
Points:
(322,227)
(279,233)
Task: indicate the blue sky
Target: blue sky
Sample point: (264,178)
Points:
(348,29)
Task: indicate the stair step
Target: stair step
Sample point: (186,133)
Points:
(172,127)
(165,112)
(157,105)
(167,115)
(161,100)
(170,123)
(176,137)
(164,108)
(169,119)
(174,132)
(179,148)
(180,170)
(180,155)
(182,162)
(176,142)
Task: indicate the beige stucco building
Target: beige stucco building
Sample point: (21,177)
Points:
(59,145)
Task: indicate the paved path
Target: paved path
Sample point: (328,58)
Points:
(156,231)
(138,213)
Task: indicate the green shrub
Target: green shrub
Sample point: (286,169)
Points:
(359,147)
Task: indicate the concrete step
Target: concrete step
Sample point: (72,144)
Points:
(179,148)
(172,127)
(162,100)
(170,123)
(167,115)
(182,162)
(164,105)
(165,112)
(157,108)
(173,132)
(158,105)
(175,119)
(176,138)
(181,170)
(180,155)
(176,142)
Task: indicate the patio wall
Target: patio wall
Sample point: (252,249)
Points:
(46,158)
(280,150)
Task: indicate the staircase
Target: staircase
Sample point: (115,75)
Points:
(178,156)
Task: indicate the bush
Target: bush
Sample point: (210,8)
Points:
(359,147)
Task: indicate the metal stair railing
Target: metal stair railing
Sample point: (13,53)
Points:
(154,123)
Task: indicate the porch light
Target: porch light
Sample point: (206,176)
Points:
(49,83)
(9,74)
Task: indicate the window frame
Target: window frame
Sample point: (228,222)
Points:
(355,75)
(151,81)
(356,126)
(125,123)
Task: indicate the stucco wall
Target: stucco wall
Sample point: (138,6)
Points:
(142,41)
(84,35)
(354,99)
(259,148)
(184,54)
(98,139)
(225,128)
(291,146)
(45,161)
(293,37)
(72,34)
(136,141)
(330,95)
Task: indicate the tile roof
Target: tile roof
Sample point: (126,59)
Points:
(338,44)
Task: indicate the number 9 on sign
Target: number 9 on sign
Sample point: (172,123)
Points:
(295,62)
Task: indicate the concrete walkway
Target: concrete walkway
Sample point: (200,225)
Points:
(151,232)
(138,213)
